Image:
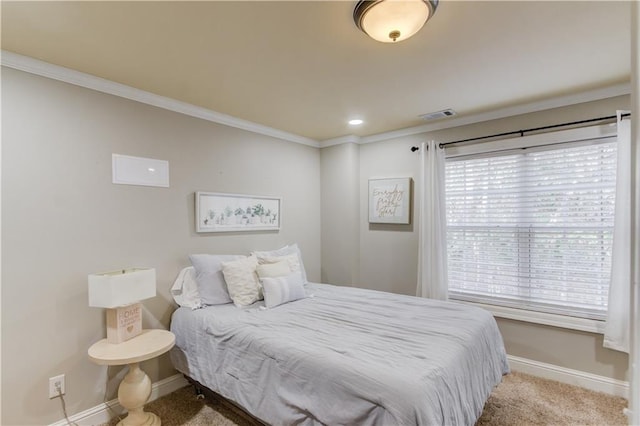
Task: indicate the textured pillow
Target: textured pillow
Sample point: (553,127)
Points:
(211,284)
(282,289)
(185,289)
(272,270)
(284,251)
(291,260)
(242,280)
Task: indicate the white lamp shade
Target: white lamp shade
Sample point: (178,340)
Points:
(122,287)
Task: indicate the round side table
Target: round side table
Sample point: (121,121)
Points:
(135,388)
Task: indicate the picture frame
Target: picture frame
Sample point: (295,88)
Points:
(390,200)
(221,212)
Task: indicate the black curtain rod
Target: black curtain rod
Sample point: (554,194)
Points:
(522,132)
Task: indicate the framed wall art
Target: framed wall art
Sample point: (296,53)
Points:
(219,212)
(390,201)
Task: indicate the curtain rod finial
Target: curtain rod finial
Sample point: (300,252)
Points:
(414,148)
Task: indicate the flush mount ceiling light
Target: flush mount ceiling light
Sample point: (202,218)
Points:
(355,122)
(389,21)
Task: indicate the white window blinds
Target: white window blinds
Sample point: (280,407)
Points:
(533,229)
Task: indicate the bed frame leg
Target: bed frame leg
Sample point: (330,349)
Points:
(197,387)
(198,391)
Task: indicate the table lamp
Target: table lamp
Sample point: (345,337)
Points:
(120,292)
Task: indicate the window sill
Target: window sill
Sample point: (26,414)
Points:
(554,320)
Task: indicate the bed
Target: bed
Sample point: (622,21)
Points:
(344,356)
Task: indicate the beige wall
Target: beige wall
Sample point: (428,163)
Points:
(62,219)
(389,254)
(340,214)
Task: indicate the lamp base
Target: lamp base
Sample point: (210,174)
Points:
(150,419)
(124,323)
(133,393)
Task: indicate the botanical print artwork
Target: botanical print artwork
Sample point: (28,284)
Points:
(217,212)
(389,200)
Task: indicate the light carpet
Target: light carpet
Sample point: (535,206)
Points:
(520,399)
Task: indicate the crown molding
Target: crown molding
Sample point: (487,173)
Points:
(67,75)
(77,78)
(555,102)
(341,140)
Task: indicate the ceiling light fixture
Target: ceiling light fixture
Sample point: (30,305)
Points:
(389,21)
(355,122)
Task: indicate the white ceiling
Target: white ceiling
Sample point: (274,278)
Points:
(303,67)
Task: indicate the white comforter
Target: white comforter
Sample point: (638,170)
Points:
(346,356)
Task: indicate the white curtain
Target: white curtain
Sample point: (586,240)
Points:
(616,331)
(432,251)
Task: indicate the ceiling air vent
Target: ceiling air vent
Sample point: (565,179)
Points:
(438,114)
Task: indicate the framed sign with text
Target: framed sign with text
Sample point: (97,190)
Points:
(390,201)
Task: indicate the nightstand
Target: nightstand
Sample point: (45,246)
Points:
(135,388)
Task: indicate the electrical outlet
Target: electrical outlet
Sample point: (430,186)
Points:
(54,383)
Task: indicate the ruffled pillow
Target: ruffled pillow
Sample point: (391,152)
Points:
(185,289)
(242,281)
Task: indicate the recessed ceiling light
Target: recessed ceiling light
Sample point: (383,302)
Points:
(355,122)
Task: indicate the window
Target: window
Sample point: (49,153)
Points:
(533,228)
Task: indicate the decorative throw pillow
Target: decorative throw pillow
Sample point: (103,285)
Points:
(281,290)
(185,289)
(272,270)
(291,260)
(242,280)
(211,284)
(284,251)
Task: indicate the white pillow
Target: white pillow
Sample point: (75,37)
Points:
(272,270)
(292,261)
(211,284)
(284,251)
(282,289)
(242,280)
(185,289)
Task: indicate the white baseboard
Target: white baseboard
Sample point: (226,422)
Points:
(572,377)
(103,413)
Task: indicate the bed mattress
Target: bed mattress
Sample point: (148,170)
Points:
(345,356)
